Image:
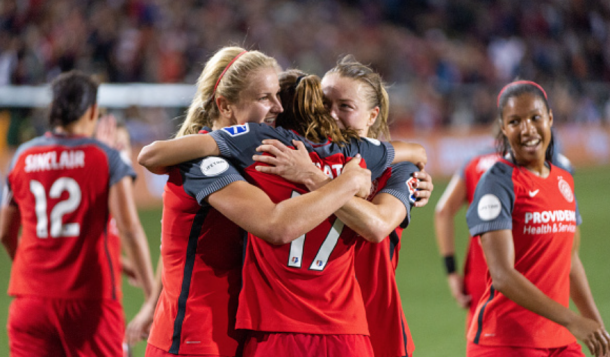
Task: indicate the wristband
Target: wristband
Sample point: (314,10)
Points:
(450,264)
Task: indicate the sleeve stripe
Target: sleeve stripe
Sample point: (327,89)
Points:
(222,144)
(491,226)
(391,154)
(219,184)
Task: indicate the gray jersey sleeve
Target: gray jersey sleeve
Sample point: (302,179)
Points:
(563,162)
(202,177)
(494,198)
(120,166)
(378,155)
(239,142)
(400,185)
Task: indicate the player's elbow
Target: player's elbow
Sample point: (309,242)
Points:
(500,279)
(376,235)
(442,213)
(422,155)
(147,156)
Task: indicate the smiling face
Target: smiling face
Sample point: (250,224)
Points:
(346,99)
(526,123)
(259,101)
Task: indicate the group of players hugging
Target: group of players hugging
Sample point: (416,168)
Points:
(282,222)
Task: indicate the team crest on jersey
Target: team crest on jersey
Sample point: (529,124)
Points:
(411,186)
(489,207)
(213,166)
(237,130)
(373,141)
(566,190)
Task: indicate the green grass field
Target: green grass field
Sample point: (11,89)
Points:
(435,320)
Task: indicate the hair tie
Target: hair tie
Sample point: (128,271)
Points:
(521,82)
(298,80)
(225,71)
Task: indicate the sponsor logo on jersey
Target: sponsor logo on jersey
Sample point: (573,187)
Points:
(410,185)
(373,141)
(319,263)
(295,260)
(69,159)
(566,190)
(550,216)
(534,193)
(489,207)
(546,222)
(214,166)
(237,130)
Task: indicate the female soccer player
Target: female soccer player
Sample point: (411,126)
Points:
(525,211)
(468,289)
(357,99)
(201,246)
(61,187)
(279,299)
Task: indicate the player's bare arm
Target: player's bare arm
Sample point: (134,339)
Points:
(447,207)
(371,220)
(139,328)
(123,209)
(251,208)
(10,222)
(159,155)
(580,292)
(500,255)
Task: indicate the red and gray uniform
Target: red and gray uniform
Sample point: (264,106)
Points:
(202,254)
(308,286)
(376,271)
(66,267)
(542,214)
(61,185)
(475,267)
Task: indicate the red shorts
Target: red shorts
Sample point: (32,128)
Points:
(262,344)
(153,351)
(64,327)
(571,350)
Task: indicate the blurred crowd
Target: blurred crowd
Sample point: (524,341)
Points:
(444,59)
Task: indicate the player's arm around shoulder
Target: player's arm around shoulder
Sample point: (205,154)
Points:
(157,156)
(388,209)
(250,208)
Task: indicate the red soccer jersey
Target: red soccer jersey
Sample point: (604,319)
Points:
(307,286)
(61,185)
(202,254)
(375,270)
(542,214)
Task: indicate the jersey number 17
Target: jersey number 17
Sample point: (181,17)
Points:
(295,258)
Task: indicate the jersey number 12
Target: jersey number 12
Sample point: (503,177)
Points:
(69,205)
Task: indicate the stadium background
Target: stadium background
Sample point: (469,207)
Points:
(444,62)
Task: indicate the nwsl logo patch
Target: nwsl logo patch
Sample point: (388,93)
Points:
(411,186)
(237,130)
